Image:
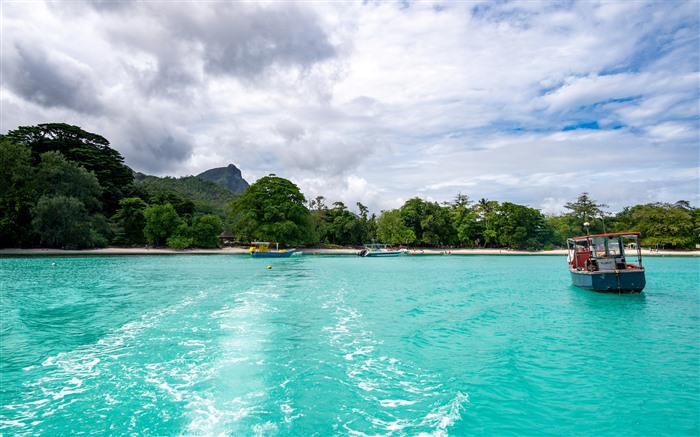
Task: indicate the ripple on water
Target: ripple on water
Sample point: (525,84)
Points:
(219,345)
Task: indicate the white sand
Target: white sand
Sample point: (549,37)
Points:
(313,251)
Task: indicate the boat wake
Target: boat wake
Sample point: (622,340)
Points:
(111,375)
(391,395)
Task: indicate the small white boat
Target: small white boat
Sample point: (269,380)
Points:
(381,250)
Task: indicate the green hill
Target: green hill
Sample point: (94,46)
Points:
(191,193)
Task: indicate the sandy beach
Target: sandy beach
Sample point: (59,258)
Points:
(308,251)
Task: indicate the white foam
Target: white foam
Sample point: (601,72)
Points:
(445,416)
(368,385)
(266,428)
(363,350)
(393,403)
(12,423)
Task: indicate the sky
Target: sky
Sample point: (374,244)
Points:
(529,102)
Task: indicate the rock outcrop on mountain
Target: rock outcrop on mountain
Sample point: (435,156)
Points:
(228,177)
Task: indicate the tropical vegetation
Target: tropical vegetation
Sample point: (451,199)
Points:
(67,188)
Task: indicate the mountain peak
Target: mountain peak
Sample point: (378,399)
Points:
(228,177)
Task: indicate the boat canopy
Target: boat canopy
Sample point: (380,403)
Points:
(611,244)
(584,238)
(262,246)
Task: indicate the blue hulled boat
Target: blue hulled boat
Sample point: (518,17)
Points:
(600,262)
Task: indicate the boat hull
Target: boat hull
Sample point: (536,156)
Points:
(614,281)
(384,254)
(284,254)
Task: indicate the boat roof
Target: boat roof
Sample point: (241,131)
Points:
(610,234)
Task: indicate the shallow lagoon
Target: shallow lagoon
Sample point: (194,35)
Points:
(342,345)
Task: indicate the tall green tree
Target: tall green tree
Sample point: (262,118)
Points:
(430,222)
(162,222)
(391,228)
(16,194)
(368,224)
(317,211)
(521,227)
(181,237)
(73,194)
(272,209)
(205,231)
(486,211)
(318,204)
(130,221)
(89,150)
(588,210)
(437,227)
(464,221)
(413,212)
(340,226)
(56,176)
(62,222)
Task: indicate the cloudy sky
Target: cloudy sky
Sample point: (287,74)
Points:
(531,102)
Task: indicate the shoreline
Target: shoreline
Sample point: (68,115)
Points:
(108,251)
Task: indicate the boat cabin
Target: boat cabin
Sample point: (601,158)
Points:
(263,246)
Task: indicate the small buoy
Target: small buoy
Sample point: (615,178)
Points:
(269,267)
(53,264)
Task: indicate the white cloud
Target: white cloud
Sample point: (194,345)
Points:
(377,102)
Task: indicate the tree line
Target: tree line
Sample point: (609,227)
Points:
(460,223)
(65,187)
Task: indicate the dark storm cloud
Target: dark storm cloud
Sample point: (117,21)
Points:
(246,41)
(110,5)
(191,44)
(50,81)
(152,144)
(170,79)
(155,154)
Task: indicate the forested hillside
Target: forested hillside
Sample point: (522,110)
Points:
(205,196)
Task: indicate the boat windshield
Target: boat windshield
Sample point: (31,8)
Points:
(607,246)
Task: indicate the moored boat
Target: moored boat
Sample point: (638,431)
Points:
(600,263)
(261,249)
(381,250)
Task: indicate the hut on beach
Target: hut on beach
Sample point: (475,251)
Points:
(226,238)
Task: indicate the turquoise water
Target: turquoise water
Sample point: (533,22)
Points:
(342,345)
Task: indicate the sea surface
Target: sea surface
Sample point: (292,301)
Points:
(340,345)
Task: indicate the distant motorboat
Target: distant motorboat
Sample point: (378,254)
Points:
(261,249)
(381,250)
(599,262)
